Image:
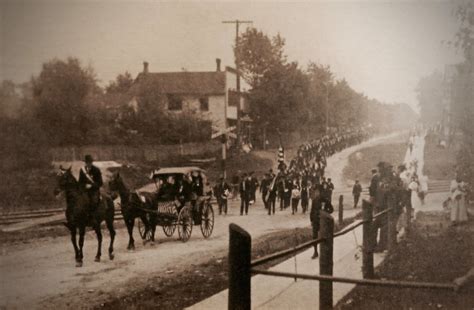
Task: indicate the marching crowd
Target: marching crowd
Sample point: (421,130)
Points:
(297,183)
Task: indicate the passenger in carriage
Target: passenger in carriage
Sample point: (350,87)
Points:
(168,190)
(185,191)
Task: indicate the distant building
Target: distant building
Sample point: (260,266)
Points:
(209,95)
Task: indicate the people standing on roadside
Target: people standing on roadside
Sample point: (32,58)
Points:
(356,191)
(305,184)
(287,192)
(264,185)
(253,187)
(244,190)
(415,201)
(330,189)
(325,189)
(272,194)
(458,190)
(374,184)
(319,203)
(295,196)
(222,192)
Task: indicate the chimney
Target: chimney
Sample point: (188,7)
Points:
(218,64)
(145,67)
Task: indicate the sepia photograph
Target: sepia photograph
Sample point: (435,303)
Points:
(237,154)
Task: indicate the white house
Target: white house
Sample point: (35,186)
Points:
(211,95)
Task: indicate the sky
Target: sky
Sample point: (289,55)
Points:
(382,48)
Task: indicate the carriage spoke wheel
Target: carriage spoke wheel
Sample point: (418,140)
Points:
(170,229)
(185,224)
(207,220)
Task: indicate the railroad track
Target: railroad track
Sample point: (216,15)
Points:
(21,216)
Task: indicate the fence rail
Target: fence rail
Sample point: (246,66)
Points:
(387,283)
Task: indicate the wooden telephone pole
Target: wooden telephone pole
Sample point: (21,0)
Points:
(237,24)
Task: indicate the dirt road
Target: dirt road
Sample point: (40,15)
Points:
(42,274)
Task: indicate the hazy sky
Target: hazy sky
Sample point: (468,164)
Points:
(381,47)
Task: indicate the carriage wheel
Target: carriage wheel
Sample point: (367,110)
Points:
(207,220)
(185,224)
(169,229)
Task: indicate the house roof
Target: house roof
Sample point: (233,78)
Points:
(200,83)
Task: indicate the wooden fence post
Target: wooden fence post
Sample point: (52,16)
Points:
(326,231)
(367,238)
(391,223)
(341,210)
(240,247)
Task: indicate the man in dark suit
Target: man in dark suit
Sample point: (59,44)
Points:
(356,190)
(330,189)
(245,194)
(319,203)
(253,182)
(272,194)
(222,191)
(374,184)
(264,185)
(90,179)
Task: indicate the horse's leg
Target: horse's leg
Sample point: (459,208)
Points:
(131,241)
(110,227)
(74,242)
(153,228)
(146,223)
(82,232)
(98,232)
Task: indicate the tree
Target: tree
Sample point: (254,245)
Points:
(280,98)
(257,54)
(121,85)
(10,100)
(320,84)
(463,91)
(63,94)
(430,98)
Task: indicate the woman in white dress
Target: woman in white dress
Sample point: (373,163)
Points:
(414,187)
(458,201)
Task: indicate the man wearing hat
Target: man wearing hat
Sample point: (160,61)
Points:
(90,178)
(356,190)
(319,203)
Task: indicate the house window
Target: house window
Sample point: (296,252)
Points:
(233,98)
(204,103)
(175,103)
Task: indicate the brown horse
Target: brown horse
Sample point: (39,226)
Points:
(133,206)
(77,214)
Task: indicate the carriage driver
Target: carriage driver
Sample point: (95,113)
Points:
(90,179)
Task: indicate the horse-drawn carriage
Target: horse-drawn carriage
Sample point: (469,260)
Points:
(171,213)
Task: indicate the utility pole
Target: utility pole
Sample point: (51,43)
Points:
(327,106)
(237,23)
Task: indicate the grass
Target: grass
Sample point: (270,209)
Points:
(362,162)
(440,259)
(28,189)
(439,163)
